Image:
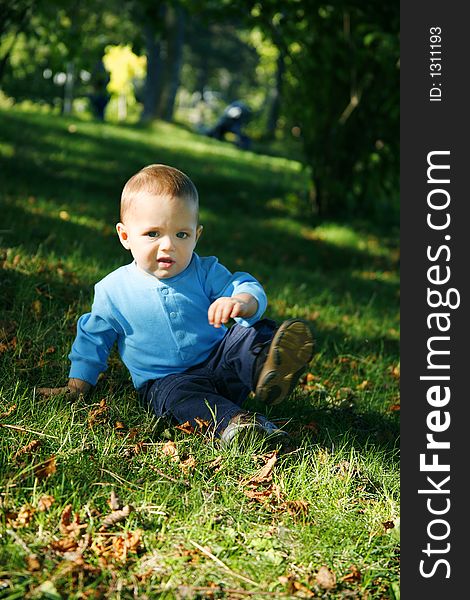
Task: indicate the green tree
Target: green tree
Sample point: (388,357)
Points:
(14,15)
(187,42)
(60,36)
(342,90)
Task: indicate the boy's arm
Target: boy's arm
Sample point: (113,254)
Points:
(228,307)
(90,350)
(241,295)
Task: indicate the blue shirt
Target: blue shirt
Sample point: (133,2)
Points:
(160,325)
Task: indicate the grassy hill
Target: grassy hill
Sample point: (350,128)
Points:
(205,524)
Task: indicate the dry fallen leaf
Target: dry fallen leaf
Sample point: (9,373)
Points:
(188,464)
(23,518)
(46,469)
(69,525)
(264,494)
(77,569)
(307,382)
(169,449)
(133,433)
(65,544)
(120,428)
(325,578)
(353,575)
(28,449)
(99,415)
(45,502)
(295,507)
(216,463)
(265,474)
(202,424)
(33,563)
(260,486)
(116,517)
(8,412)
(345,393)
(8,339)
(72,548)
(185,427)
(65,519)
(295,587)
(190,555)
(114,502)
(138,448)
(302,589)
(117,546)
(128,542)
(10,344)
(364,385)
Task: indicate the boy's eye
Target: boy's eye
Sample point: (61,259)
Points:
(152,234)
(182,235)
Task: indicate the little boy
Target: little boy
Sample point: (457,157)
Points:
(167,312)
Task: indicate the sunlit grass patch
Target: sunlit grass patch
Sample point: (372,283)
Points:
(201,523)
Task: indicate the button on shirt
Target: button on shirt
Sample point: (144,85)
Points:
(160,325)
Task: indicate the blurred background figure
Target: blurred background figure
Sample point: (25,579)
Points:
(184,62)
(233,119)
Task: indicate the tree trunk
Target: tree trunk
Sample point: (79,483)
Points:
(6,57)
(174,59)
(152,86)
(275,106)
(69,89)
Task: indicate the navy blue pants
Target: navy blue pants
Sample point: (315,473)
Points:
(216,389)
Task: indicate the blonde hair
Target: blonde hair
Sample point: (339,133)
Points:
(158,180)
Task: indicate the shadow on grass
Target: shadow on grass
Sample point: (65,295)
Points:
(316,423)
(45,158)
(44,164)
(84,173)
(57,161)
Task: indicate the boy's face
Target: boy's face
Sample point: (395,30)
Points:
(161,233)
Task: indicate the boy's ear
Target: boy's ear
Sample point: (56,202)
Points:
(199,231)
(123,235)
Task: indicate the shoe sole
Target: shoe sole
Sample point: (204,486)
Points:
(246,433)
(247,436)
(289,354)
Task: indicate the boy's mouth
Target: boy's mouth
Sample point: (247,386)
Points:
(165,262)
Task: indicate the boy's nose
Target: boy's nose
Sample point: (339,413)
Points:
(166,243)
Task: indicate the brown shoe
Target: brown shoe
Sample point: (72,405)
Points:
(290,352)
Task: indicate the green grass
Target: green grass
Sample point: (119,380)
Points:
(200,534)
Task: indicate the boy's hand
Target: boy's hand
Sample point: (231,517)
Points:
(74,388)
(49,392)
(223,309)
